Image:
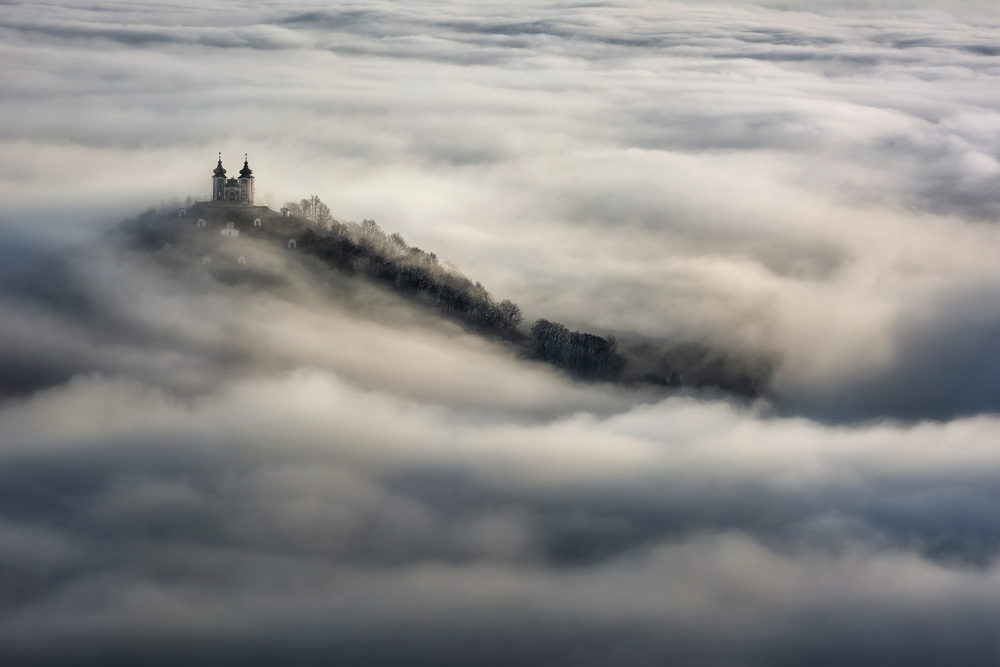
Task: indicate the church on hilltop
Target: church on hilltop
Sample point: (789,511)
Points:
(232,190)
(232,202)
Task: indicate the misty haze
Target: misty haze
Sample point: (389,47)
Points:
(526,333)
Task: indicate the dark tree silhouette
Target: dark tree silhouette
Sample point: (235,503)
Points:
(365,250)
(315,210)
(584,355)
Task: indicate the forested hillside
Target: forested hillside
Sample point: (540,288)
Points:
(364,249)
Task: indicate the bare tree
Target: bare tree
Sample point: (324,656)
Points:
(314,209)
(371,230)
(510,314)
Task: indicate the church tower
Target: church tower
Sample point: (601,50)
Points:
(246,182)
(219,182)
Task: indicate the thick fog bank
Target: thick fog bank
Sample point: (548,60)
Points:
(311,469)
(299,467)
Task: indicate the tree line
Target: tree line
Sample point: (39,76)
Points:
(584,355)
(365,248)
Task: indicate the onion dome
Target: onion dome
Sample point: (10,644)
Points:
(245,171)
(219,171)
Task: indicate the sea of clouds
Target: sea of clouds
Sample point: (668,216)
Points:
(318,472)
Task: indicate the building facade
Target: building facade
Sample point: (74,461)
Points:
(232,190)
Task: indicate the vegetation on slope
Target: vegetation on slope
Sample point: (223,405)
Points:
(365,250)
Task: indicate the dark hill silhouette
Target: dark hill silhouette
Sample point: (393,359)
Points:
(364,250)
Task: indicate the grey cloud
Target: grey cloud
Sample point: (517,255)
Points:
(346,20)
(313,543)
(946,367)
(60,321)
(302,468)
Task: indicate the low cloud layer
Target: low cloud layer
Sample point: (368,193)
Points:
(318,471)
(311,470)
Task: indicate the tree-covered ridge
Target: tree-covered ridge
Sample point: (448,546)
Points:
(585,355)
(365,250)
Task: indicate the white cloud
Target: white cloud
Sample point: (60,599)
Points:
(321,470)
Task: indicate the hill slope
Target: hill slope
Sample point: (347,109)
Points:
(225,241)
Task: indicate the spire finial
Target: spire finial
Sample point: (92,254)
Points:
(246,172)
(220,171)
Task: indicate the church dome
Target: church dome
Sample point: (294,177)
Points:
(219,171)
(245,171)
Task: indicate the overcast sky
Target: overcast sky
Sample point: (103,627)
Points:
(195,472)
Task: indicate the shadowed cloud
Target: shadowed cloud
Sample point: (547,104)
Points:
(280,462)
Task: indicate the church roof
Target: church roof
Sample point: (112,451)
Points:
(245,171)
(219,171)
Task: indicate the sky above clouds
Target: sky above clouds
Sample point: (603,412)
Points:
(193,472)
